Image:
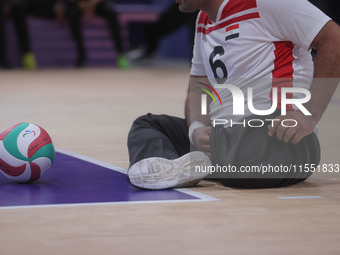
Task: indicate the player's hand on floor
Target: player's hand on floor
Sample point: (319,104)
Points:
(305,126)
(201,138)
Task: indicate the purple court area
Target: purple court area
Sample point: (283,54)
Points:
(77,180)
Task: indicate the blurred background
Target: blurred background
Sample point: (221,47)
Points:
(68,33)
(97,33)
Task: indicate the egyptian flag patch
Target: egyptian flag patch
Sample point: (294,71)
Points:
(233,31)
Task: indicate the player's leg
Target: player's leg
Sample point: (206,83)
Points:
(159,151)
(157,135)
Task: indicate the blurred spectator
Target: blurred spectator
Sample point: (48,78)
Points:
(75,9)
(17,10)
(3,54)
(48,9)
(169,20)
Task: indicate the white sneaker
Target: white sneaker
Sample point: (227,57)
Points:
(161,173)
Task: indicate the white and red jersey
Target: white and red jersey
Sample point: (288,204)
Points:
(254,42)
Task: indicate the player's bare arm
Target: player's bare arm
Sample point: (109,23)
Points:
(200,135)
(327,65)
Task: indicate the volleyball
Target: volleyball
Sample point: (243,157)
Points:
(26,152)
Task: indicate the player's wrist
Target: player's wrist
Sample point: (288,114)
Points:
(315,116)
(193,126)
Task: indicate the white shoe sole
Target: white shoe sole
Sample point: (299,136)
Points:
(160,173)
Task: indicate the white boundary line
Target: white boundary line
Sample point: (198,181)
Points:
(203,197)
(200,196)
(104,204)
(300,197)
(91,160)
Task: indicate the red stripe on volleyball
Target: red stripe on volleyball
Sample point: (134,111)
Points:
(38,143)
(11,170)
(35,172)
(6,131)
(236,6)
(283,69)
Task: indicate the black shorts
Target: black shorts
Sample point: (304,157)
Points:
(253,159)
(166,136)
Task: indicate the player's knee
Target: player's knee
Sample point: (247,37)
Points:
(144,119)
(142,122)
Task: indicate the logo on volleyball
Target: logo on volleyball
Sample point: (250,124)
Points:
(28,132)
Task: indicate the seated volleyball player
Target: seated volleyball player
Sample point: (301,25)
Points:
(255,52)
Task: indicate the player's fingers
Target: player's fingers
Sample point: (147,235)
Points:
(203,144)
(204,148)
(281,130)
(297,138)
(272,128)
(200,138)
(289,134)
(205,139)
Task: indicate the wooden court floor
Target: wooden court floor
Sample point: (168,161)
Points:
(89,112)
